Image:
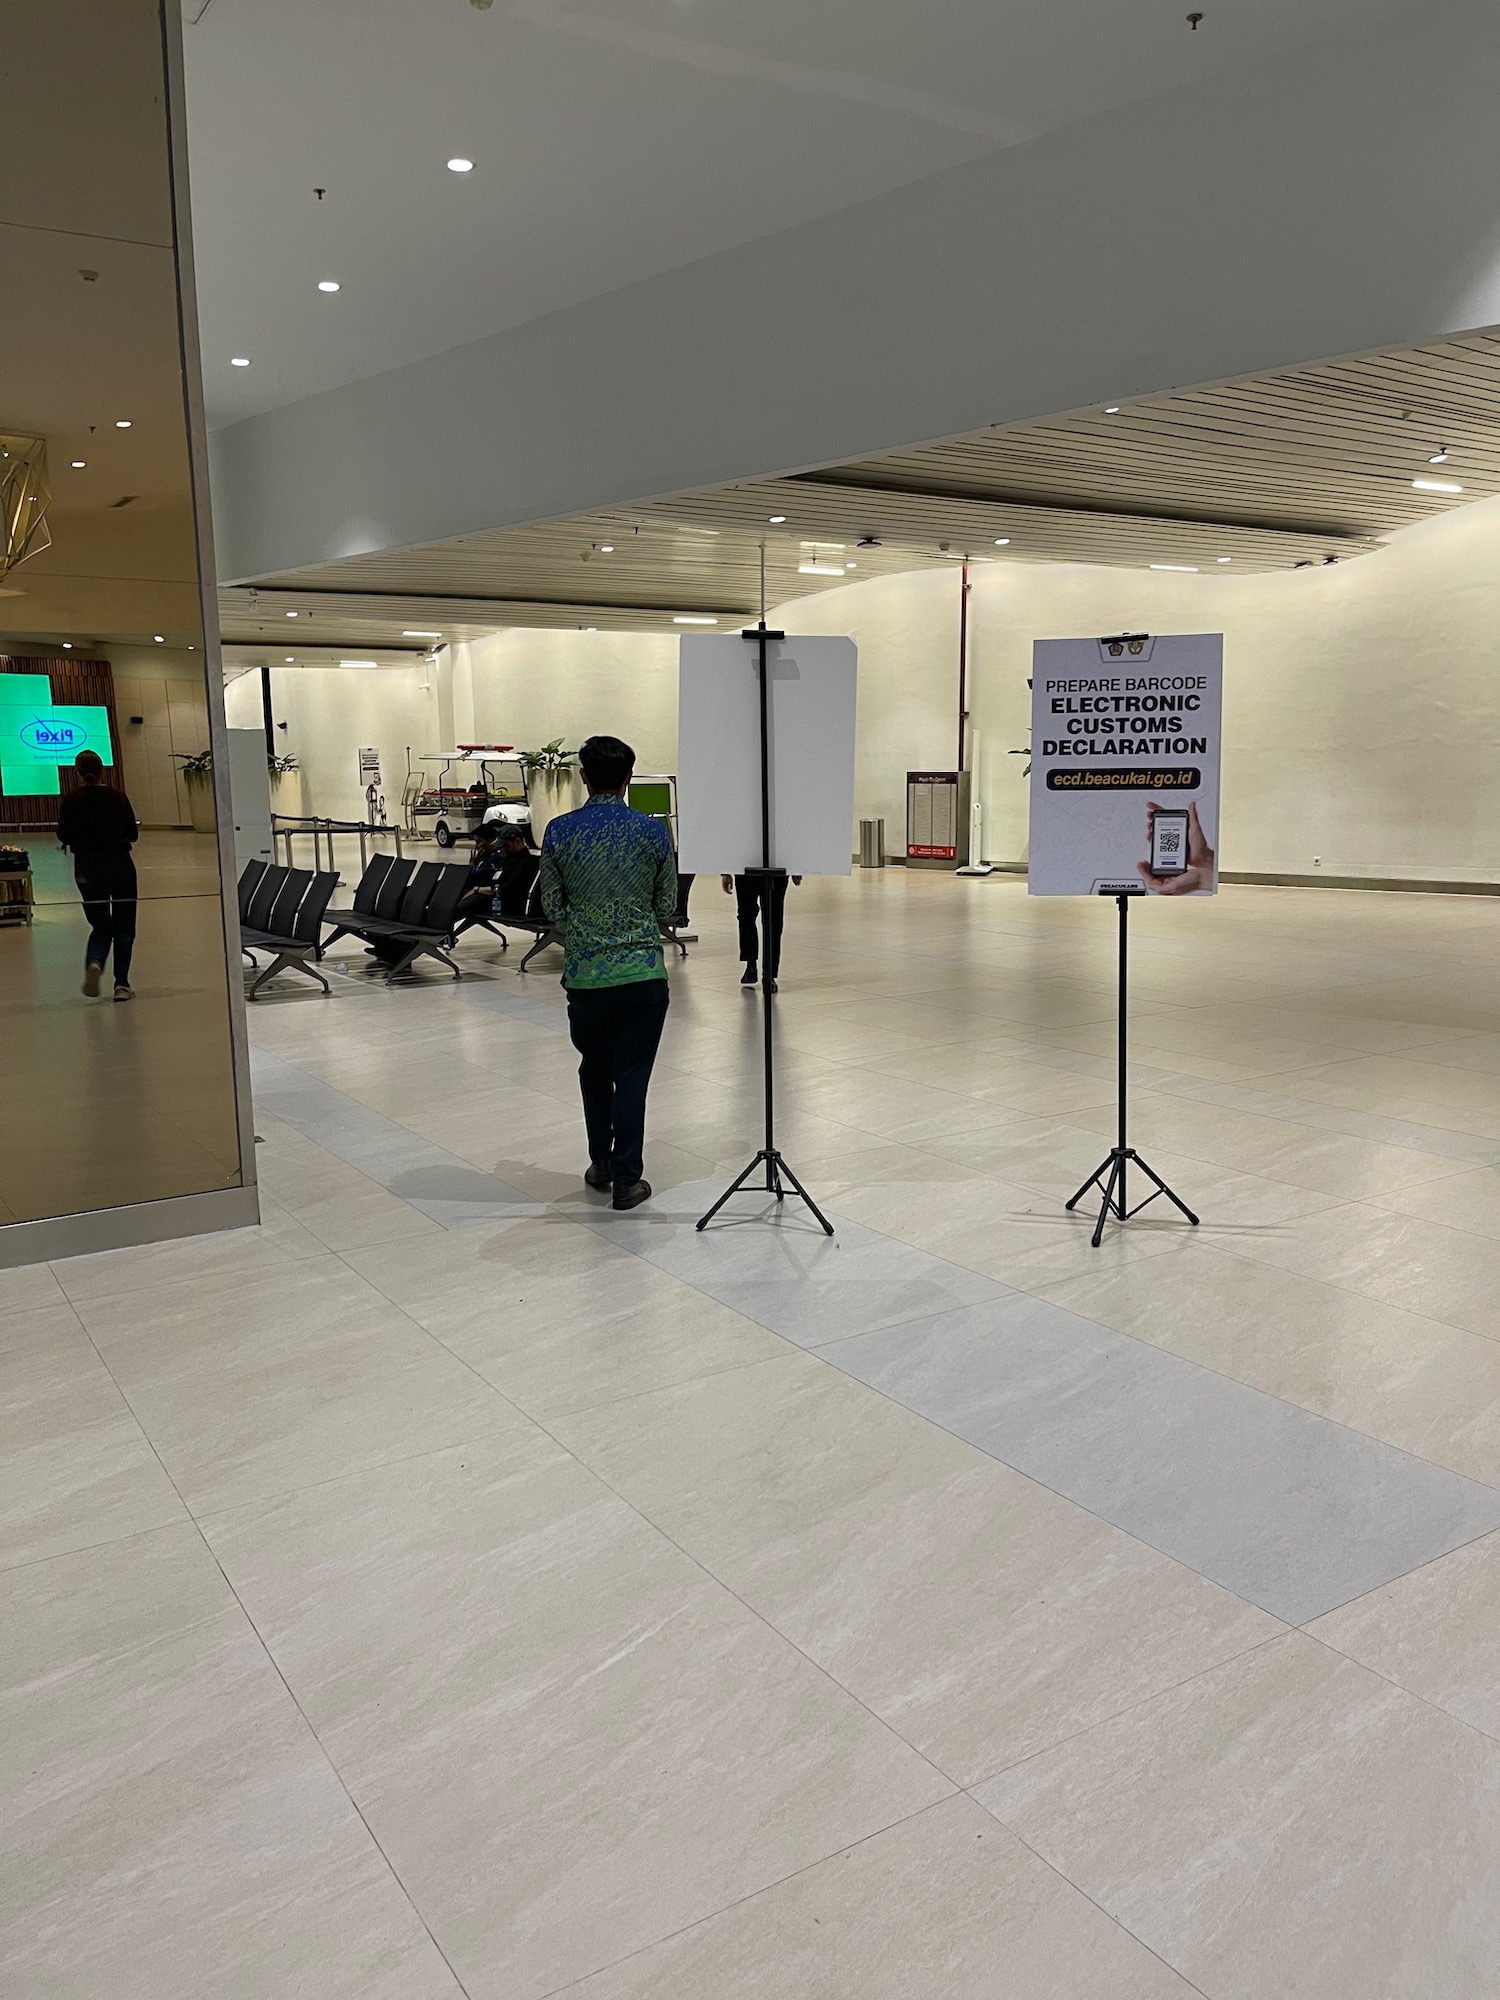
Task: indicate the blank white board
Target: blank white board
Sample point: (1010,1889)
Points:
(810,714)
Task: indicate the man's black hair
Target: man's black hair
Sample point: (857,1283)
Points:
(89,765)
(607,762)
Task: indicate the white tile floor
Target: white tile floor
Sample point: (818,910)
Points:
(450,1587)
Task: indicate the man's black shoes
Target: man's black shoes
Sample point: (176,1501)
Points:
(632,1196)
(598,1178)
(749,976)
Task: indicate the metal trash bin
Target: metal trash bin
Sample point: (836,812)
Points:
(872,843)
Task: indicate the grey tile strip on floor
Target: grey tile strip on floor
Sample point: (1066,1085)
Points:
(438,1184)
(1369,1125)
(1290,1510)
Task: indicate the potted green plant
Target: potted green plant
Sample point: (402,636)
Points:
(549,783)
(198,781)
(285,774)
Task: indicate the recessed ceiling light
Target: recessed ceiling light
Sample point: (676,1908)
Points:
(239,361)
(591,628)
(291,614)
(777,520)
(328,284)
(606,548)
(421,635)
(158,638)
(290,661)
(1183,569)
(1111,409)
(122,423)
(78,464)
(689,619)
(1440,456)
(1223,558)
(67,645)
(460,166)
(366,665)
(1436,486)
(1002,541)
(851,565)
(820,569)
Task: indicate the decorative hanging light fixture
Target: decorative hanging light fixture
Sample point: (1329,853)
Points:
(25,495)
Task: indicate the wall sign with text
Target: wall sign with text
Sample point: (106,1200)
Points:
(1125,738)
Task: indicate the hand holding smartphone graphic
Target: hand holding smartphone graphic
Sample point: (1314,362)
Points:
(1182,862)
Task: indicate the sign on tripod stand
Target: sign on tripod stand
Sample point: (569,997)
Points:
(1125,765)
(1125,803)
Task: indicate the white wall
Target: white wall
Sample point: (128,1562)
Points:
(333,712)
(164,686)
(1362,701)
(529,687)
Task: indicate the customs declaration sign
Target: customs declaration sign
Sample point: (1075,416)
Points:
(1125,765)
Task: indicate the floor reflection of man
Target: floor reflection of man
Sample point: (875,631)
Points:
(98,826)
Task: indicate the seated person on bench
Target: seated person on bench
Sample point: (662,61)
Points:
(479,891)
(515,874)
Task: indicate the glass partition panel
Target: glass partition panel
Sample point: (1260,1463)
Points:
(118,1080)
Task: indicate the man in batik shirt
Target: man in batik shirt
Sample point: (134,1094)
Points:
(609,881)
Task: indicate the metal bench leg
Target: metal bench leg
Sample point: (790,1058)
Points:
(424,949)
(546,938)
(287,961)
(404,964)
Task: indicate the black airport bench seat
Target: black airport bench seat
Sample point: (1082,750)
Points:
(281,912)
(400,903)
(545,932)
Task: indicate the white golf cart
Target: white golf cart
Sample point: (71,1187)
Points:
(476,782)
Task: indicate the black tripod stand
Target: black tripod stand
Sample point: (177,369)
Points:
(779,1178)
(1109,1175)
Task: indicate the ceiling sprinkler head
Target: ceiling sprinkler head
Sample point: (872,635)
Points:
(1192,19)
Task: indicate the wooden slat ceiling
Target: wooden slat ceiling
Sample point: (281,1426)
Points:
(1298,467)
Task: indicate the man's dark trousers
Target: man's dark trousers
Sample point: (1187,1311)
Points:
(616,1031)
(106,882)
(747,908)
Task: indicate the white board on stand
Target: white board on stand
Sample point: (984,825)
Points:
(810,730)
(250,797)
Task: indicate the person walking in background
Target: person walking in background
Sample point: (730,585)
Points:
(98,827)
(745,890)
(609,881)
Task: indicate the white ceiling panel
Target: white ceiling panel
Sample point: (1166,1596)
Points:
(611,140)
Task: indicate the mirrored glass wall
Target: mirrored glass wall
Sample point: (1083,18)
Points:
(118,1079)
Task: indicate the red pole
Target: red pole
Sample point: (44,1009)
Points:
(963,661)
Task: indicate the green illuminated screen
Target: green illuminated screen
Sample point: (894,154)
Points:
(653,799)
(38,737)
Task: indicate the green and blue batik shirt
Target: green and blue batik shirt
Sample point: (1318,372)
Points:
(609,878)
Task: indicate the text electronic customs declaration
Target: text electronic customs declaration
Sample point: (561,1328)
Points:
(1122,728)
